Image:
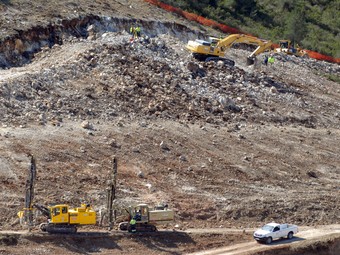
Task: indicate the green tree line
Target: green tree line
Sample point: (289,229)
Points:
(313,24)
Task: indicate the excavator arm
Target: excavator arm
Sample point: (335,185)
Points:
(241,38)
(263,45)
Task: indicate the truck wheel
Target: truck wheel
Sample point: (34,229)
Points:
(269,240)
(290,235)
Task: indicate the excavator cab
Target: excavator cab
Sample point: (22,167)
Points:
(288,46)
(140,213)
(59,214)
(213,41)
(284,44)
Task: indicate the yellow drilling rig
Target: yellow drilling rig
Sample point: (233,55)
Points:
(60,218)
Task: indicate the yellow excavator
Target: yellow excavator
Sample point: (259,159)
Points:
(287,47)
(215,49)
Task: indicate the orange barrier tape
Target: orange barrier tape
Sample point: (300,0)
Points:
(195,17)
(226,29)
(319,56)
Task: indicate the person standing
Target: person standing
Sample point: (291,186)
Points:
(132,30)
(137,31)
(265,61)
(133,225)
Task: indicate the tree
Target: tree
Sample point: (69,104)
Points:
(245,6)
(296,26)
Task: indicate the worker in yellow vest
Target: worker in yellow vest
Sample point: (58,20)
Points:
(137,31)
(133,225)
(271,60)
(132,30)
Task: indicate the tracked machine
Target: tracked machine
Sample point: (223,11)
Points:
(287,47)
(148,218)
(63,219)
(60,218)
(215,49)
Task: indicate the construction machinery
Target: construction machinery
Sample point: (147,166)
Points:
(147,218)
(61,218)
(287,47)
(215,49)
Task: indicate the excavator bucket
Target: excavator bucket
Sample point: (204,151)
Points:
(250,61)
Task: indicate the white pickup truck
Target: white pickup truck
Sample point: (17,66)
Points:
(272,231)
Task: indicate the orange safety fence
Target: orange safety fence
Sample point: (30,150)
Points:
(226,29)
(195,17)
(319,56)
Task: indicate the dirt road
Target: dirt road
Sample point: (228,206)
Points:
(310,240)
(306,234)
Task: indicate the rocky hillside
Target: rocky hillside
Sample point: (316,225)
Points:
(224,146)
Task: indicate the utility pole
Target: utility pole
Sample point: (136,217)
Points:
(111,193)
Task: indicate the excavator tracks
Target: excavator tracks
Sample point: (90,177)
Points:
(58,229)
(208,58)
(226,61)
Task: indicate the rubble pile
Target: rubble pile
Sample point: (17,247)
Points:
(114,75)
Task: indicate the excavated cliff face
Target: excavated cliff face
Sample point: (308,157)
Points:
(19,49)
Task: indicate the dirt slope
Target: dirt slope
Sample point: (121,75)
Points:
(223,146)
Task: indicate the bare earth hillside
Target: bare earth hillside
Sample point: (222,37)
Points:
(225,147)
